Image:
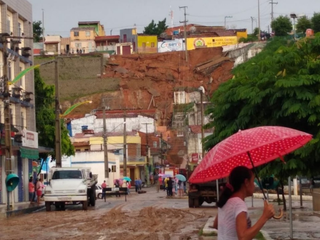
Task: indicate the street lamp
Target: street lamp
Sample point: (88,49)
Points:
(294,16)
(225,21)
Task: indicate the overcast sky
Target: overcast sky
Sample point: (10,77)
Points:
(62,15)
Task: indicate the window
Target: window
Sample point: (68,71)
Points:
(87,33)
(76,34)
(9,71)
(78,45)
(9,25)
(155,144)
(179,97)
(73,174)
(19,29)
(22,120)
(124,37)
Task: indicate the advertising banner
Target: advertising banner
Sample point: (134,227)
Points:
(208,42)
(171,45)
(194,157)
(29,139)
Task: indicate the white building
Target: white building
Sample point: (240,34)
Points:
(17,23)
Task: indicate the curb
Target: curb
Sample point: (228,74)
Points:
(274,196)
(22,211)
(208,229)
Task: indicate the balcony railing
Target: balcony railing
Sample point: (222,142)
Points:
(134,159)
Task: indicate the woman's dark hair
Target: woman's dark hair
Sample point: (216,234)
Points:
(236,178)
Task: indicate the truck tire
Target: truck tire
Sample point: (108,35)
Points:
(48,206)
(85,205)
(196,202)
(92,197)
(191,203)
(201,200)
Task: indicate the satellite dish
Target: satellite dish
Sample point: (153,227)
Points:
(193,29)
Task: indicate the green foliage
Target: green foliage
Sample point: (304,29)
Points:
(280,86)
(281,26)
(303,24)
(45,117)
(250,38)
(37,31)
(316,22)
(156,29)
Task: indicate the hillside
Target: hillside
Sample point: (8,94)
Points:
(138,81)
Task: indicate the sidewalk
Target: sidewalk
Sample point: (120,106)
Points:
(19,208)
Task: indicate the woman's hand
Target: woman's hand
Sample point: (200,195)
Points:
(268,210)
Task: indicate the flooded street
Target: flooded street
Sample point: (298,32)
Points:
(147,216)
(143,216)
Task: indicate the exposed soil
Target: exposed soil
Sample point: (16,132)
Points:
(138,81)
(148,223)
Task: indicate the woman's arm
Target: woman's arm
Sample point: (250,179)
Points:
(245,233)
(215,222)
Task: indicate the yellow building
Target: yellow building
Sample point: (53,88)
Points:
(147,43)
(193,43)
(135,162)
(82,37)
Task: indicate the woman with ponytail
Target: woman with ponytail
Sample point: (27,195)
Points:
(234,222)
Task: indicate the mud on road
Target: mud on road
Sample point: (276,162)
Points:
(117,223)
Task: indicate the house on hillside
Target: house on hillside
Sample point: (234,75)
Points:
(82,38)
(107,43)
(141,43)
(52,45)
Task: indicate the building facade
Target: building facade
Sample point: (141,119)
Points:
(16,21)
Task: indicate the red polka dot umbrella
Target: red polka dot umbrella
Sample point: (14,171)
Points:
(250,148)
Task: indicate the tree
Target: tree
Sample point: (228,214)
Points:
(277,87)
(281,26)
(303,24)
(37,31)
(316,22)
(156,29)
(45,117)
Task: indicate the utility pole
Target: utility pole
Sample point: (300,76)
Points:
(124,145)
(57,121)
(259,37)
(105,144)
(148,152)
(185,30)
(272,3)
(202,120)
(252,24)
(101,66)
(7,117)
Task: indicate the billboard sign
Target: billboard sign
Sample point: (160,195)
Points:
(29,139)
(171,45)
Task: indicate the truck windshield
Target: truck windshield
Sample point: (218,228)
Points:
(67,174)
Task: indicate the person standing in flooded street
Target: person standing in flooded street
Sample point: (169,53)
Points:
(233,221)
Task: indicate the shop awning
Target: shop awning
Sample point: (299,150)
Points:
(29,153)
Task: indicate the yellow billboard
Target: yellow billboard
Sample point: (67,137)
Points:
(193,43)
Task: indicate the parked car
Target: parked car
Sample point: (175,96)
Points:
(98,192)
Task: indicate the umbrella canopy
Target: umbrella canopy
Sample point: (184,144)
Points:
(127,179)
(181,177)
(251,147)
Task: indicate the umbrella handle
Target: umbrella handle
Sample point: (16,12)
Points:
(280,215)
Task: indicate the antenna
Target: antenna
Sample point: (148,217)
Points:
(171,17)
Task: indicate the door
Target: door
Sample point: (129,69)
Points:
(126,50)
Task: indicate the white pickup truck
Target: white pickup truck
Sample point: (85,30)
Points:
(70,186)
